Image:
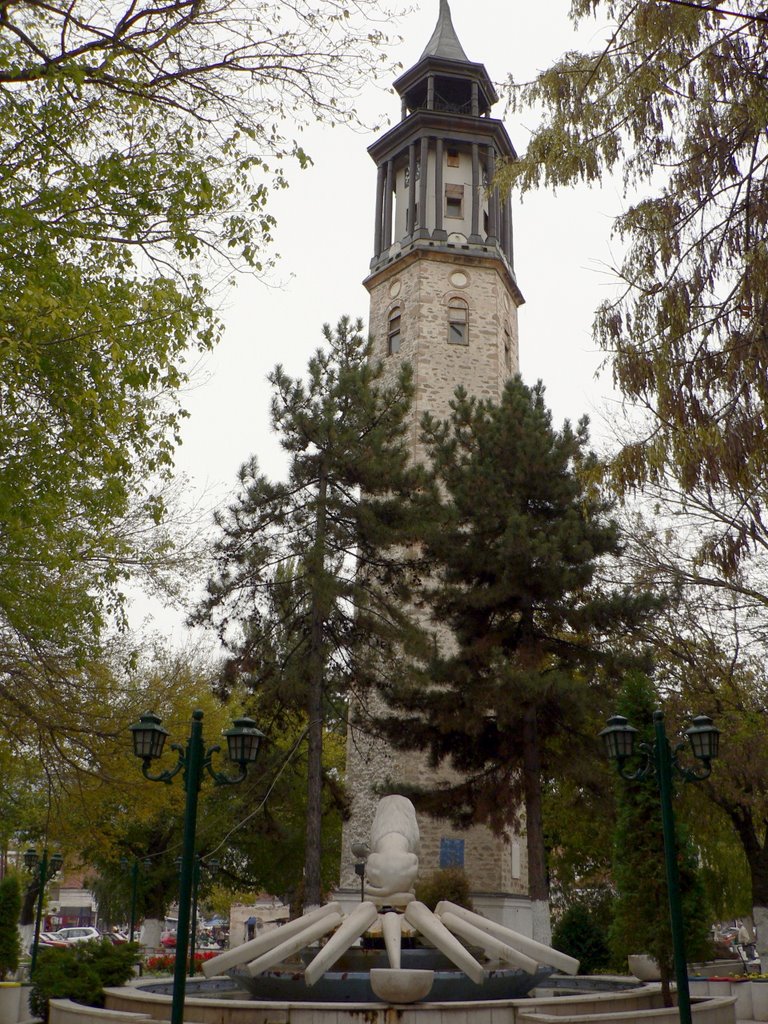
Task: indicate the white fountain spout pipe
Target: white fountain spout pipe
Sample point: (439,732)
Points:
(493,947)
(536,950)
(392,931)
(292,945)
(268,940)
(421,917)
(361,918)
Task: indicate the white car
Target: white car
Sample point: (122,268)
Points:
(80,934)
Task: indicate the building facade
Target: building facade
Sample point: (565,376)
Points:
(444,297)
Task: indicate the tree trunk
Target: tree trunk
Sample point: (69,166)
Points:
(313,850)
(151,932)
(538,887)
(757,858)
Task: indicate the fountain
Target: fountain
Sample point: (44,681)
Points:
(465,957)
(468,969)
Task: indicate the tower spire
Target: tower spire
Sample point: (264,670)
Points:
(444,42)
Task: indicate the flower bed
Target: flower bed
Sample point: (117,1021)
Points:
(164,963)
(750,990)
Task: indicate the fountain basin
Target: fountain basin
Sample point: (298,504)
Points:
(350,981)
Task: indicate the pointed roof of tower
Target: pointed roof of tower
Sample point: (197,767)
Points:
(444,42)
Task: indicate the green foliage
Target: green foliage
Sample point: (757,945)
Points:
(641,910)
(514,577)
(582,932)
(139,147)
(310,572)
(578,827)
(675,100)
(445,884)
(80,973)
(10,909)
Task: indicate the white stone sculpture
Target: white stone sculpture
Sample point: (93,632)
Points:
(392,867)
(391,871)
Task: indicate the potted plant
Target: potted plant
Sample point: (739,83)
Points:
(10,948)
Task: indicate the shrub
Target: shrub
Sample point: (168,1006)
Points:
(80,973)
(10,909)
(445,884)
(582,933)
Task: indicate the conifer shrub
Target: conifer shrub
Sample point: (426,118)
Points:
(445,884)
(582,933)
(10,909)
(80,973)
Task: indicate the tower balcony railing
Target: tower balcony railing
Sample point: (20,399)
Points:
(447,106)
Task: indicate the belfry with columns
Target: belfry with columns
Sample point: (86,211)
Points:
(443,296)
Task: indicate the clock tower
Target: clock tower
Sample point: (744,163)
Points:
(444,297)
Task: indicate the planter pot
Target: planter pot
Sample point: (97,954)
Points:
(698,987)
(743,992)
(720,987)
(643,967)
(759,999)
(10,1001)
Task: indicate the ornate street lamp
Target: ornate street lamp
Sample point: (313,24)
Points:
(243,741)
(46,869)
(661,762)
(134,872)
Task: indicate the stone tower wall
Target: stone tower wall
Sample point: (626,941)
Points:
(420,285)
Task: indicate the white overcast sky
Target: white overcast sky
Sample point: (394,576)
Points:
(324,236)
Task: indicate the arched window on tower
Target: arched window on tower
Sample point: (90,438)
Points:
(393,331)
(458,322)
(507,351)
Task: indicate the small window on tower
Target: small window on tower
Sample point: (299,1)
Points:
(393,332)
(407,180)
(507,352)
(454,201)
(453,158)
(451,852)
(458,322)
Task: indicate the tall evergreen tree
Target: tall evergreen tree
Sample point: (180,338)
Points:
(641,910)
(514,554)
(310,572)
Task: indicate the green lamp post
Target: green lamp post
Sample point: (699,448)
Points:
(660,762)
(211,866)
(133,868)
(193,760)
(46,869)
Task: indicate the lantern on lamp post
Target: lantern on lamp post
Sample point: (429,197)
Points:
(243,740)
(661,762)
(46,869)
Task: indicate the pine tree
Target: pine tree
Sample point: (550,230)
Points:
(641,910)
(310,572)
(514,554)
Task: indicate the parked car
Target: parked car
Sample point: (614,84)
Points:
(50,940)
(79,934)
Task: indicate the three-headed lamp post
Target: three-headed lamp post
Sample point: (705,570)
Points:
(660,762)
(193,760)
(46,869)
